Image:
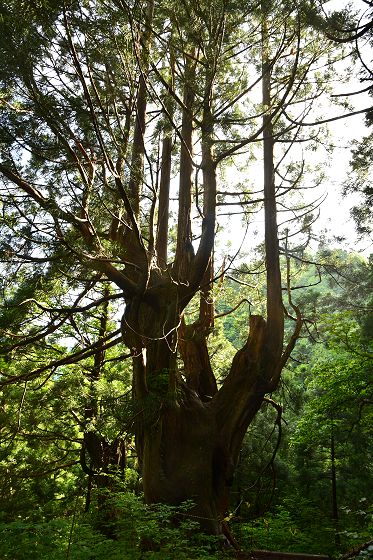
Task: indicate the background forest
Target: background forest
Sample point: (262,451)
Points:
(304,476)
(185,361)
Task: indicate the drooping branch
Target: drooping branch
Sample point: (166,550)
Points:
(81,225)
(74,308)
(108,342)
(233,309)
(24,185)
(53,325)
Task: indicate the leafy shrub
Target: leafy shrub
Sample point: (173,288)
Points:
(142,532)
(290,527)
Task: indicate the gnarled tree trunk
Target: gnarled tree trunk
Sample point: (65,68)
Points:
(189,433)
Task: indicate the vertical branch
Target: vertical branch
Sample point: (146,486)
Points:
(92,441)
(164,201)
(138,148)
(164,184)
(98,361)
(206,245)
(275,317)
(206,305)
(184,248)
(193,342)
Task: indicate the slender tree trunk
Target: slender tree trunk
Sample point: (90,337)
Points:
(335,514)
(275,316)
(102,460)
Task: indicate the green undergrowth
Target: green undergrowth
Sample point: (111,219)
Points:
(137,532)
(297,525)
(127,529)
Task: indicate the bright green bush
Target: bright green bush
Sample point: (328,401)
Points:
(142,532)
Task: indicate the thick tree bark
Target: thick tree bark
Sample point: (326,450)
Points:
(190,445)
(184,459)
(188,434)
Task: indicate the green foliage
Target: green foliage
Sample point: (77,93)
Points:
(151,532)
(221,351)
(75,79)
(330,390)
(294,526)
(298,525)
(287,505)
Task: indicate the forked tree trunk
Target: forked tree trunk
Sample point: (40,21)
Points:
(189,453)
(189,434)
